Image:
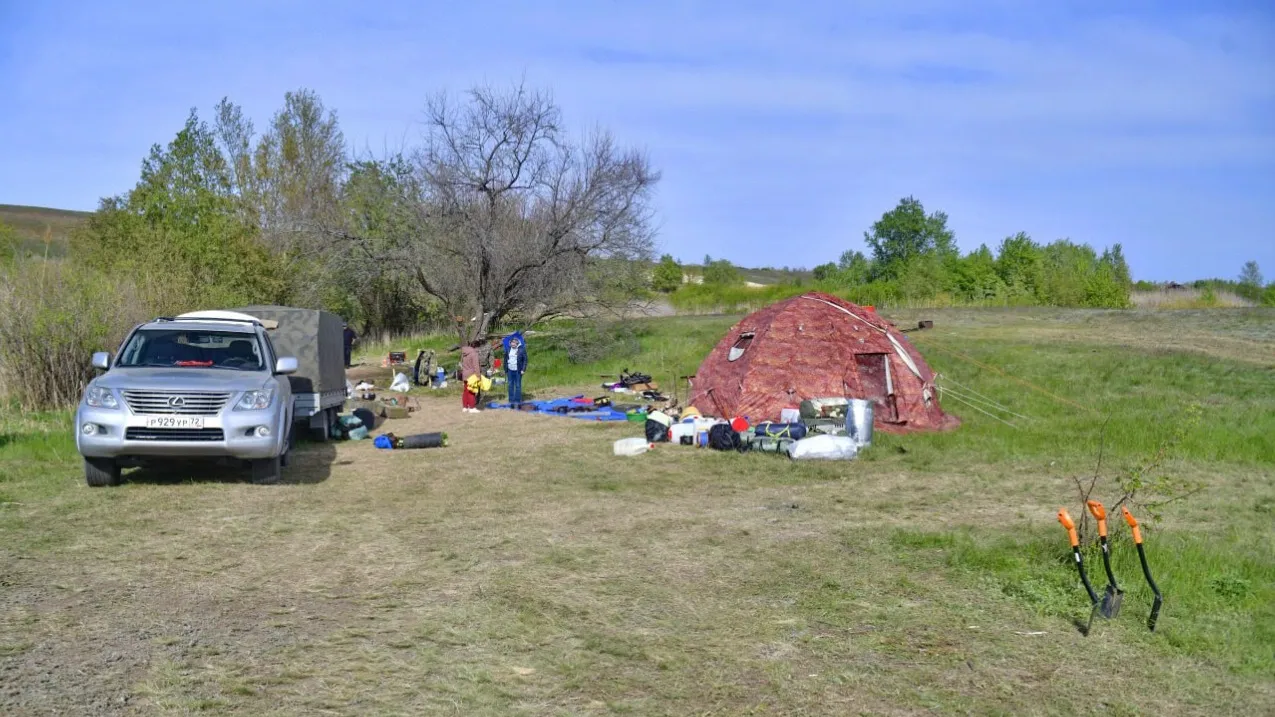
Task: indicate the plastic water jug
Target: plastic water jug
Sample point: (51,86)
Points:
(631,446)
(678,430)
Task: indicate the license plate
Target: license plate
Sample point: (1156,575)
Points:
(195,422)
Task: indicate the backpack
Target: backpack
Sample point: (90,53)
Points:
(724,438)
(656,432)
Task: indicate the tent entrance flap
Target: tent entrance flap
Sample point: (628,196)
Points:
(874,381)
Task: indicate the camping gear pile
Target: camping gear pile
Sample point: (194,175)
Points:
(573,407)
(367,410)
(637,383)
(582,407)
(835,428)
(1108,606)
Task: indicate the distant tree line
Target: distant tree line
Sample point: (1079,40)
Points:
(913,258)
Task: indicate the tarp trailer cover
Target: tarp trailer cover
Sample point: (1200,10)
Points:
(316,338)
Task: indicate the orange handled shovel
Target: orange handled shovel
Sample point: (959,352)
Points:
(1146,571)
(1113,595)
(1065,518)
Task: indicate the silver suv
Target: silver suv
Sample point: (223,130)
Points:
(183,388)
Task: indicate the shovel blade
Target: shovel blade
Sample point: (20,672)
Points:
(1110,605)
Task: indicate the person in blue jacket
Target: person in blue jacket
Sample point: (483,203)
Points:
(515,366)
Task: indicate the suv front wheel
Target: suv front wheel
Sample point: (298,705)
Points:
(101,472)
(266,471)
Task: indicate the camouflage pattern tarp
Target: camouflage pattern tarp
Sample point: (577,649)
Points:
(315,338)
(818,346)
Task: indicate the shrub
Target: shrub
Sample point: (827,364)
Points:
(667,276)
(53,315)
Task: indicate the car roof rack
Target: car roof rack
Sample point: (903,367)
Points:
(209,319)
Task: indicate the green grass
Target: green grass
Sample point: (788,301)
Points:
(1221,599)
(524,569)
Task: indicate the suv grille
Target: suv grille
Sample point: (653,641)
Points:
(174,434)
(151,403)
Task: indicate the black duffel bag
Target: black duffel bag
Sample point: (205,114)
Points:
(724,438)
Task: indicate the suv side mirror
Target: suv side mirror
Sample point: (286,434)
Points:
(102,360)
(285,366)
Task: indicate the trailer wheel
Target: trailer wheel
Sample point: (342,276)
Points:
(101,472)
(324,432)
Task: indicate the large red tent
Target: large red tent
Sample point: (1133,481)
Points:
(817,346)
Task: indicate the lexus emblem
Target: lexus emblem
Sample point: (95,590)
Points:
(176,401)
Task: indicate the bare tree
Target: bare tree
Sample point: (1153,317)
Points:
(288,182)
(515,220)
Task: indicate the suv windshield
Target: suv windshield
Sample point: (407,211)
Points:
(193,349)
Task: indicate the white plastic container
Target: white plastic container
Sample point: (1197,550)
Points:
(790,415)
(677,430)
(631,446)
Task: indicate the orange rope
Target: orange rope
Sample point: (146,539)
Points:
(1028,384)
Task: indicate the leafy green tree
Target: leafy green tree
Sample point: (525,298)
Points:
(855,268)
(1019,263)
(921,278)
(907,232)
(1074,275)
(825,272)
(975,276)
(667,276)
(1104,289)
(1114,257)
(1066,269)
(179,226)
(1268,296)
(380,295)
(1250,286)
(721,272)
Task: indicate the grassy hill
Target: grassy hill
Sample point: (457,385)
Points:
(36,225)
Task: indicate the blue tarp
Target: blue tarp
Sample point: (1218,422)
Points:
(561,406)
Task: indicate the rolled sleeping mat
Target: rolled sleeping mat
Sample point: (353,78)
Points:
(423,440)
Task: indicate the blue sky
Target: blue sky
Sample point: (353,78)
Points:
(783,129)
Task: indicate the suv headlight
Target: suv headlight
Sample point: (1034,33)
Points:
(98,397)
(255,400)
